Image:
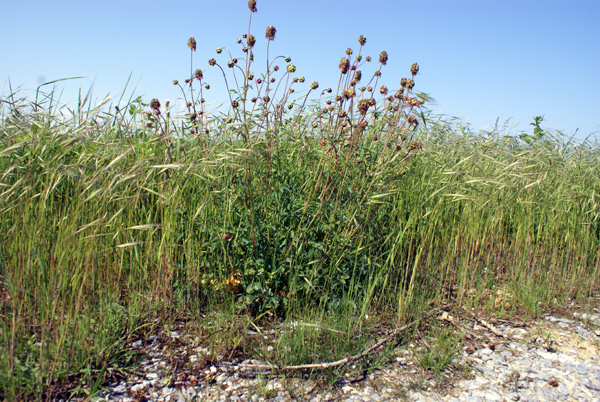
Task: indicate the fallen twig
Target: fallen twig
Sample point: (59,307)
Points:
(486,324)
(346,360)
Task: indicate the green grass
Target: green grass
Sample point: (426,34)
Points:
(116,222)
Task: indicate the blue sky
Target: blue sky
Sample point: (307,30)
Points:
(480,60)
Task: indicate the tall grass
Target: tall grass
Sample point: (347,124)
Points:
(327,209)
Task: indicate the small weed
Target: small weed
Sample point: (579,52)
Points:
(440,355)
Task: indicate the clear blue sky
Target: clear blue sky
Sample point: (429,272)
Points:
(479,59)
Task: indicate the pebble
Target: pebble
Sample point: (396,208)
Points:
(552,359)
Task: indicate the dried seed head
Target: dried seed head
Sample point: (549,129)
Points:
(357,76)
(383,58)
(348,93)
(187,81)
(348,51)
(383,90)
(328,90)
(301,79)
(414,69)
(219,50)
(276,68)
(154,104)
(292,90)
(414,102)
(291,68)
(287,59)
(290,106)
(206,86)
(192,44)
(271,31)
(251,41)
(403,82)
(362,40)
(363,107)
(368,59)
(253,100)
(175,82)
(239,41)
(230,64)
(252,6)
(259,81)
(415,145)
(314,85)
(399,94)
(212,62)
(266,98)
(362,89)
(193,117)
(410,84)
(272,80)
(235,104)
(358,57)
(295,80)
(377,73)
(344,65)
(369,89)
(250,77)
(235,61)
(245,49)
(352,83)
(198,74)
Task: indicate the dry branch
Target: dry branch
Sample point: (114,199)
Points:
(346,360)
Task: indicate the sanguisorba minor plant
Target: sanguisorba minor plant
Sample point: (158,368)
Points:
(303,174)
(311,204)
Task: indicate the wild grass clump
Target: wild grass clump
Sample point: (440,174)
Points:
(339,208)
